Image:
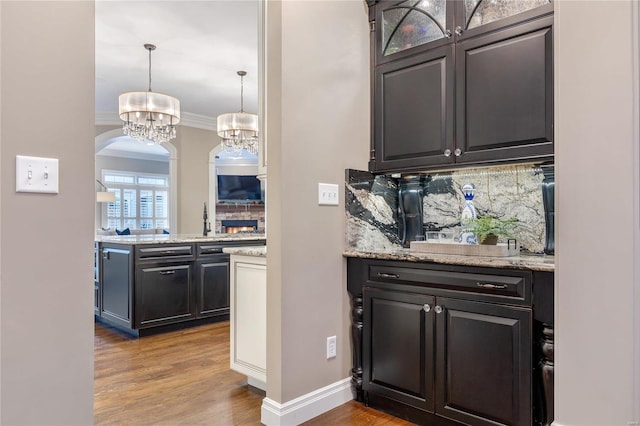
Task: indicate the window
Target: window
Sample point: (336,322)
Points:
(142,200)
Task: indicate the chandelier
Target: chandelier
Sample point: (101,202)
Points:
(239,130)
(149,116)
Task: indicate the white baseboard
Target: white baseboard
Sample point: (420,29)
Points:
(307,406)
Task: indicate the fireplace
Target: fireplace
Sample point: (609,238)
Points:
(235,226)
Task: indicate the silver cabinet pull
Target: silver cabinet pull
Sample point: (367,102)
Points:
(492,286)
(447,152)
(438,309)
(459,30)
(386,275)
(457,152)
(426,307)
(167,272)
(447,33)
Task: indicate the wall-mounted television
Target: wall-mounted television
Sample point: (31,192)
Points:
(238,188)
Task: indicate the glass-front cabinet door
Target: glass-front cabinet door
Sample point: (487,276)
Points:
(473,17)
(405,27)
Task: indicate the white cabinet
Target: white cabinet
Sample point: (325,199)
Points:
(249,318)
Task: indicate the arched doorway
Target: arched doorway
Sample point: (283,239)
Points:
(109,137)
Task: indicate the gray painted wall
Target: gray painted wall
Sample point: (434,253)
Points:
(318,125)
(46,295)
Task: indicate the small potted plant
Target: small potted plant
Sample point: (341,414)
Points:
(489,228)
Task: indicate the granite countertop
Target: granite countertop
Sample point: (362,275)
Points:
(257,251)
(533,262)
(178,238)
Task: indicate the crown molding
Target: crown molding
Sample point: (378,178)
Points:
(187,119)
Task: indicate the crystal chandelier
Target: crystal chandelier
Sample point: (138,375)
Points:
(239,130)
(149,116)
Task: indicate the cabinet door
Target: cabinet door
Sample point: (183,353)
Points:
(483,366)
(504,94)
(117,277)
(413,111)
(213,287)
(476,17)
(164,294)
(410,26)
(398,347)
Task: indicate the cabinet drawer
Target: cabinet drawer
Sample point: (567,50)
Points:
(181,252)
(510,289)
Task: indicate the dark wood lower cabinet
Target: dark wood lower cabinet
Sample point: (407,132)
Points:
(447,345)
(213,287)
(399,347)
(483,366)
(164,294)
(147,288)
(116,294)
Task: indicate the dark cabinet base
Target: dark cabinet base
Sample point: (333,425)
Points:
(142,332)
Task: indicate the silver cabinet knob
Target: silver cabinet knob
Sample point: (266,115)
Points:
(447,152)
(459,30)
(457,152)
(447,33)
(438,309)
(426,307)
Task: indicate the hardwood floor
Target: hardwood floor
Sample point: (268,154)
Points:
(183,378)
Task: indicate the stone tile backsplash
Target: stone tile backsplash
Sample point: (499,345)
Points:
(506,191)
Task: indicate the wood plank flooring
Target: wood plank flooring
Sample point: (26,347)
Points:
(183,378)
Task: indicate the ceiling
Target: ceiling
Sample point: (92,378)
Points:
(200,47)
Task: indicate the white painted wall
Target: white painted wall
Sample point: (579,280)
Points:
(46,248)
(317,126)
(597,287)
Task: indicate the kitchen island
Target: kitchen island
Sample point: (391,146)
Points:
(248,320)
(448,339)
(151,283)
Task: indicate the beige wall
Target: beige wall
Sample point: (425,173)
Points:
(46,291)
(193,175)
(597,157)
(323,99)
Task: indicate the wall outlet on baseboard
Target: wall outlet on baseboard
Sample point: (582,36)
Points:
(331,347)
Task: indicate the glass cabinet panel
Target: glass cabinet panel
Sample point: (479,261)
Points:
(480,12)
(412,23)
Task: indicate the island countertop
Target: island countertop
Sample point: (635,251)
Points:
(179,238)
(533,262)
(256,251)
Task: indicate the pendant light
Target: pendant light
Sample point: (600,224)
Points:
(149,116)
(239,130)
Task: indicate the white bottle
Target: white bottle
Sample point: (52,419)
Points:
(468,212)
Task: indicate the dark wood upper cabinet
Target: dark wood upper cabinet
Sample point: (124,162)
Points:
(461,82)
(413,110)
(504,94)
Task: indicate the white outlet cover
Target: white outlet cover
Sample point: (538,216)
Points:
(328,194)
(36,174)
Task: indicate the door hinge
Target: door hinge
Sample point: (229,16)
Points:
(372,26)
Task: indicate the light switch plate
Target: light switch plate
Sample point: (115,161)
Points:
(36,174)
(328,194)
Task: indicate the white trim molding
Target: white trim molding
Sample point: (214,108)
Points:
(307,406)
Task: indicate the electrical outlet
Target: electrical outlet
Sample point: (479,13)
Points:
(328,194)
(331,347)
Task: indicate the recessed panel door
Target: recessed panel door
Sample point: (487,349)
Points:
(483,367)
(398,350)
